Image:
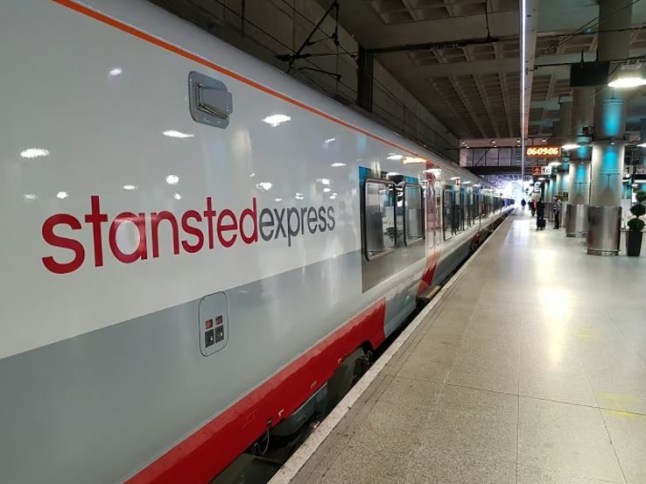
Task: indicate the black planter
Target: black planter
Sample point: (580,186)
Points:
(633,243)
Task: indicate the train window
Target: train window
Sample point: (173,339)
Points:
(379,218)
(413,213)
(447,212)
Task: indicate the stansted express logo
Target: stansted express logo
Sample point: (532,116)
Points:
(192,231)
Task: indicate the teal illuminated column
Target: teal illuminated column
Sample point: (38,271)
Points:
(582,115)
(607,172)
(562,170)
(575,215)
(579,193)
(563,179)
(604,213)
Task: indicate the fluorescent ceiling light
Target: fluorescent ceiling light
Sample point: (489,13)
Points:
(34,153)
(116,71)
(264,186)
(435,171)
(337,164)
(129,187)
(327,189)
(466,182)
(325,181)
(555,163)
(276,119)
(627,76)
(394,157)
(414,159)
(392,173)
(172,179)
(171,133)
(455,178)
(570,146)
(278,199)
(62,195)
(177,196)
(328,141)
(642,145)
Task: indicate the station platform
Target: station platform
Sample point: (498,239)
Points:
(531,368)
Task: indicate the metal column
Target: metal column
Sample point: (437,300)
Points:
(562,171)
(365,78)
(576,219)
(604,213)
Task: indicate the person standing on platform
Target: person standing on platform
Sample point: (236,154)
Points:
(557,213)
(523,203)
(540,215)
(532,207)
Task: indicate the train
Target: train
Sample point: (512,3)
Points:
(198,251)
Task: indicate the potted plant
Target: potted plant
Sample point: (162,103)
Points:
(635,226)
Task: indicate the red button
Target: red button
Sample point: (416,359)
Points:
(208,324)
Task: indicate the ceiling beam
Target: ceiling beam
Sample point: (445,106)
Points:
(486,101)
(361,19)
(437,45)
(558,62)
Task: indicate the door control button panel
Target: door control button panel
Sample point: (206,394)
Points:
(213,323)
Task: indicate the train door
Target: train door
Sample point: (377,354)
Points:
(433,215)
(447,214)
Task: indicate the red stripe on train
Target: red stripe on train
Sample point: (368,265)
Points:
(209,450)
(429,272)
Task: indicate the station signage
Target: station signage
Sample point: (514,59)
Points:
(542,152)
(541,171)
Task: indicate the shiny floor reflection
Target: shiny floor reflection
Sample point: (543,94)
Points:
(533,371)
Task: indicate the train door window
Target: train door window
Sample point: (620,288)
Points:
(399,212)
(463,210)
(456,215)
(379,218)
(413,213)
(447,214)
(471,214)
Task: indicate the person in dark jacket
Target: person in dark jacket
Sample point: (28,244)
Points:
(523,203)
(540,215)
(557,213)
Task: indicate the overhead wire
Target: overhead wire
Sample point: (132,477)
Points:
(332,92)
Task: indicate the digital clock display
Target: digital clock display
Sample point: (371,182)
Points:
(543,151)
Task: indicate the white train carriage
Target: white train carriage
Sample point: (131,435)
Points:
(193,243)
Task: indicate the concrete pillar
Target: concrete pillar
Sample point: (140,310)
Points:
(575,216)
(565,120)
(642,149)
(562,171)
(604,214)
(579,183)
(365,78)
(607,173)
(562,181)
(582,115)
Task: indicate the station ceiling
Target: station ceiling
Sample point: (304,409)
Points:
(467,74)
(473,85)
